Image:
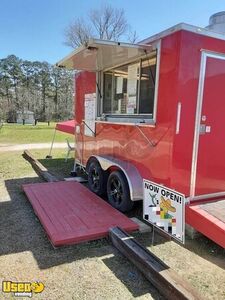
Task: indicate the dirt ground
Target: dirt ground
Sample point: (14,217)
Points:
(91,270)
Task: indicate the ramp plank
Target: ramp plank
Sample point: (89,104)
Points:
(168,283)
(72,214)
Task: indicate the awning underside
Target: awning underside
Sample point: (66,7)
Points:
(99,55)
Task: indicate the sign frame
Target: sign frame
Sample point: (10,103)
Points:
(166,207)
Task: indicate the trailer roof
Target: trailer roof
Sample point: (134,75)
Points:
(99,55)
(187,27)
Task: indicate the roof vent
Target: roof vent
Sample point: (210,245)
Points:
(217,22)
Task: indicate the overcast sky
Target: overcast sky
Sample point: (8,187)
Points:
(33,29)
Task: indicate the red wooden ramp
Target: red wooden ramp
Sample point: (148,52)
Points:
(209,219)
(72,214)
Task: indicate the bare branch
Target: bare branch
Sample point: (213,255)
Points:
(77,33)
(106,23)
(132,36)
(110,23)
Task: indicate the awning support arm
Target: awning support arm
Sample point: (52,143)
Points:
(100,94)
(50,151)
(89,128)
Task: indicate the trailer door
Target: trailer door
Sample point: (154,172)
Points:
(208,166)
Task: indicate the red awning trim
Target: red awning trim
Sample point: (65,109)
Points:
(67,126)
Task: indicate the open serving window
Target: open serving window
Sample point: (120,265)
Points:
(129,90)
(127,77)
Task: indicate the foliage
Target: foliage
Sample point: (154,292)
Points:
(105,23)
(36,86)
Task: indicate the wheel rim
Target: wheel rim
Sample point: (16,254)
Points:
(95,179)
(116,191)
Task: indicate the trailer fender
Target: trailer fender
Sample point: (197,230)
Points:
(133,176)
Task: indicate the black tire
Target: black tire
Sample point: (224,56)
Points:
(96,178)
(118,192)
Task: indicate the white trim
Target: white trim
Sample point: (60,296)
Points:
(186,27)
(178,117)
(126,123)
(158,53)
(197,124)
(213,54)
(205,54)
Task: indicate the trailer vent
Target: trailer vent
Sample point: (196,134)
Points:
(217,22)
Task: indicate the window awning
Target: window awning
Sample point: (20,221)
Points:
(99,55)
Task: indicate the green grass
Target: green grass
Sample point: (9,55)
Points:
(13,165)
(57,164)
(28,134)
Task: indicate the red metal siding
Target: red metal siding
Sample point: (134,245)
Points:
(189,68)
(169,162)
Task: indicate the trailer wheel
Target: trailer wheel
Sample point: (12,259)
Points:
(96,178)
(118,191)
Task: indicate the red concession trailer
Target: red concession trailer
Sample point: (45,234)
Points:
(155,111)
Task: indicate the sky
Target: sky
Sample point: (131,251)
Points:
(34,29)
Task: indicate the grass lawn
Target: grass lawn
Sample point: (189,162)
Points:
(13,165)
(28,134)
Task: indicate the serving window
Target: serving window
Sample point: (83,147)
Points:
(129,90)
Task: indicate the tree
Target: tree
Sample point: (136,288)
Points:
(106,23)
(12,68)
(77,33)
(37,86)
(5,86)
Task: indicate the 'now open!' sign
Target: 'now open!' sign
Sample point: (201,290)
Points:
(165,209)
